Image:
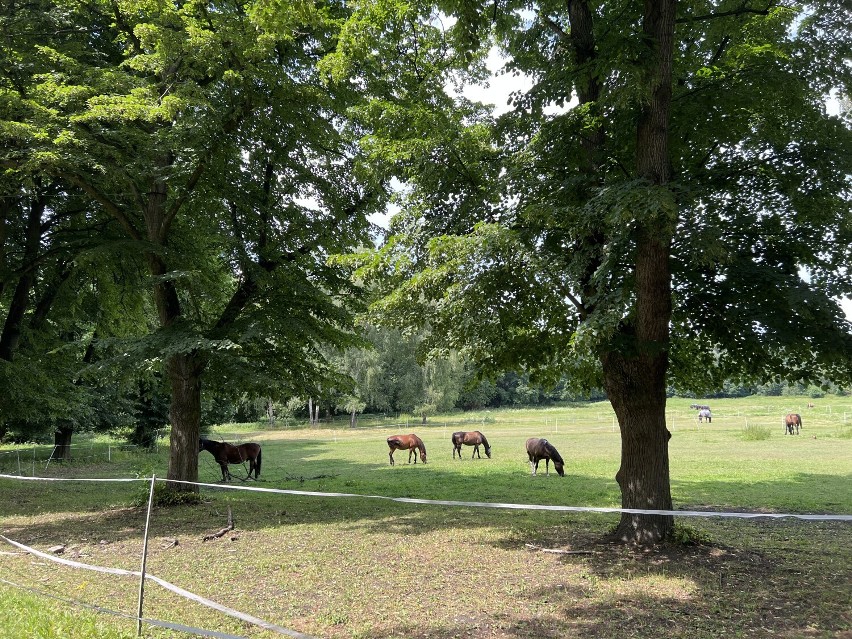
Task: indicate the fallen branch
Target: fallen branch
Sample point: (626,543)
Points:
(227,528)
(562,552)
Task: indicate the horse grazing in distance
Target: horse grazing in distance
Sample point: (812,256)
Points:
(538,449)
(472,438)
(412,443)
(791,421)
(225,453)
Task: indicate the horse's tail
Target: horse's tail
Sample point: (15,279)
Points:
(257,462)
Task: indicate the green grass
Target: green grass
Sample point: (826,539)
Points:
(353,567)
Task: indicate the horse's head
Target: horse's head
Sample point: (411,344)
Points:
(560,468)
(488,451)
(201,444)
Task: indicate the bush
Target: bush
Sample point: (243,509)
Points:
(165,496)
(752,433)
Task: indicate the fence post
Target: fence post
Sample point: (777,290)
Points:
(144,558)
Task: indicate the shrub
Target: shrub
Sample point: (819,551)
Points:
(753,433)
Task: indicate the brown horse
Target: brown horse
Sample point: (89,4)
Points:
(409,443)
(538,449)
(225,453)
(793,420)
(472,438)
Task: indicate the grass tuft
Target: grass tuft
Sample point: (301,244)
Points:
(754,433)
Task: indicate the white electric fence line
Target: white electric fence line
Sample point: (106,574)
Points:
(478,504)
(481,504)
(106,479)
(151,622)
(165,584)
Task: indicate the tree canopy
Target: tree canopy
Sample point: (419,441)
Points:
(204,137)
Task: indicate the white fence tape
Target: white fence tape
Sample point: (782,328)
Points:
(165,584)
(151,622)
(483,504)
(479,504)
(104,479)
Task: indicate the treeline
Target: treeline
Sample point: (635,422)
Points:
(392,379)
(386,374)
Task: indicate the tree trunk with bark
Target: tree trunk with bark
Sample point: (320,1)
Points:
(635,372)
(185,372)
(62,444)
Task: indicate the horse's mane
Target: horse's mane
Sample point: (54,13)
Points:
(554,454)
(484,441)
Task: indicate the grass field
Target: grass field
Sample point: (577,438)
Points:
(357,567)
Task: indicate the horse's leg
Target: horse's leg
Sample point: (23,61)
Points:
(390,454)
(225,472)
(533,467)
(547,466)
(410,452)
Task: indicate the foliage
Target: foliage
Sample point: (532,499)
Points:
(530,268)
(754,433)
(164,498)
(205,145)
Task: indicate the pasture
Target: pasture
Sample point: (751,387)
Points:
(349,567)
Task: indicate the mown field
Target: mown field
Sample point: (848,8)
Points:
(341,567)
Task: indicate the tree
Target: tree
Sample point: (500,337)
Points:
(685,220)
(209,139)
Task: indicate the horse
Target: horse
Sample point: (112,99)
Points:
(225,453)
(790,421)
(538,449)
(705,414)
(409,443)
(472,438)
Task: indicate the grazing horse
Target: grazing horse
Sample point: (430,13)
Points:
(538,449)
(793,420)
(473,438)
(225,453)
(409,443)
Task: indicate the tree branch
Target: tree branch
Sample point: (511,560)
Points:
(111,207)
(725,14)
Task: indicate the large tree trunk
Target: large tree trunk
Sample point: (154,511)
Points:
(184,369)
(184,372)
(11,333)
(635,370)
(62,443)
(636,389)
